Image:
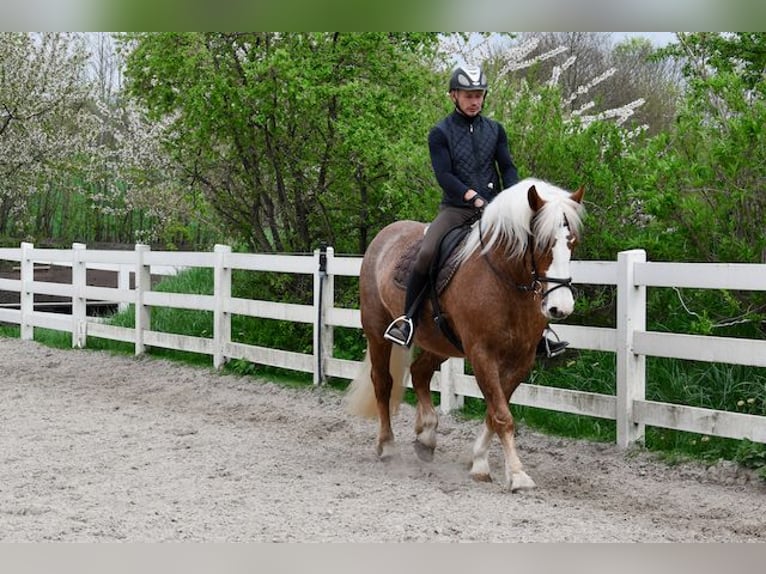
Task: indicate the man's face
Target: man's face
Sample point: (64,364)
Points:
(469,101)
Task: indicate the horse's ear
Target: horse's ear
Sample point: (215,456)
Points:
(578,195)
(535,201)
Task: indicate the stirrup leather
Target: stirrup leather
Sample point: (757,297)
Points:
(400,324)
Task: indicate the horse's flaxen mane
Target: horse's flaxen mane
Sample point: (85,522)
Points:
(508,219)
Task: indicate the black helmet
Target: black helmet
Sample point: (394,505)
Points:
(468,78)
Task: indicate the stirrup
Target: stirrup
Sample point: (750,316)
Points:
(558,346)
(400,331)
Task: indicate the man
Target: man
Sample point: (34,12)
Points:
(472,163)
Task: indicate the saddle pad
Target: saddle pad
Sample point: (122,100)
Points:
(447,260)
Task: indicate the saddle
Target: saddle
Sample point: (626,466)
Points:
(442,270)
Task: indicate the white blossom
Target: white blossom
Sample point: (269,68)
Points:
(45,123)
(56,129)
(516,56)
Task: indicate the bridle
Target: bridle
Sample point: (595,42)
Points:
(537,280)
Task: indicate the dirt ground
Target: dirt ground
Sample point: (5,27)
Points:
(101,448)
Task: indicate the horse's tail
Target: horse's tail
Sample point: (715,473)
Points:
(360,395)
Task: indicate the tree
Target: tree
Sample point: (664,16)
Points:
(292,137)
(77,162)
(586,57)
(594,75)
(709,178)
(640,69)
(45,123)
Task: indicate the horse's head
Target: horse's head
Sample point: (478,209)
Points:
(531,228)
(554,232)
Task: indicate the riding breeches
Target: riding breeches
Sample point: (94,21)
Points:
(448,218)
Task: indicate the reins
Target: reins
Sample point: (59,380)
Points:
(536,284)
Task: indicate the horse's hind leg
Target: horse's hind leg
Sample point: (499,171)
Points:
(426,420)
(380,356)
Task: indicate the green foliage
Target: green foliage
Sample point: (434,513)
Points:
(548,143)
(691,193)
(350,344)
(702,191)
(293,137)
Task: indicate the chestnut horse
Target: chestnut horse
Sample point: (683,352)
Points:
(512,279)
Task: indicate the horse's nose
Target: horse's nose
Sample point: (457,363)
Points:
(557,313)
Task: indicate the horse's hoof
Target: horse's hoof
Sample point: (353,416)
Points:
(424,452)
(481,477)
(387,452)
(521,481)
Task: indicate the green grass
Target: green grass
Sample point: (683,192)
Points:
(734,388)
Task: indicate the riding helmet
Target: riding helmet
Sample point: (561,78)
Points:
(468,78)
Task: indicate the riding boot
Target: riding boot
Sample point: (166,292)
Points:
(402,329)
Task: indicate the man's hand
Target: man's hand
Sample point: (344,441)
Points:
(474,199)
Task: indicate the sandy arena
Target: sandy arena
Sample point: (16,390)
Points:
(105,448)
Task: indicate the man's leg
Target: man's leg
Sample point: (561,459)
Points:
(401,330)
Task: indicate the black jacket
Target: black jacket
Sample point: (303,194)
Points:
(466,153)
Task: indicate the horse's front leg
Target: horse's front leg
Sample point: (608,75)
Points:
(498,421)
(515,477)
(480,466)
(426,420)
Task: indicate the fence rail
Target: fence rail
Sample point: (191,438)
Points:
(631,274)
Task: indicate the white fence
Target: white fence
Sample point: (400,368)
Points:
(631,274)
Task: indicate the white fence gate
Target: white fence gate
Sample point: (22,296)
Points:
(632,343)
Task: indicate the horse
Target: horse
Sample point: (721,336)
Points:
(512,278)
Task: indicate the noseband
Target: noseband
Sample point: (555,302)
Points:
(537,281)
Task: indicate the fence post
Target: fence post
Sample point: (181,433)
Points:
(27,296)
(327,340)
(448,399)
(143,284)
(123,283)
(79,303)
(631,368)
(324,297)
(222,295)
